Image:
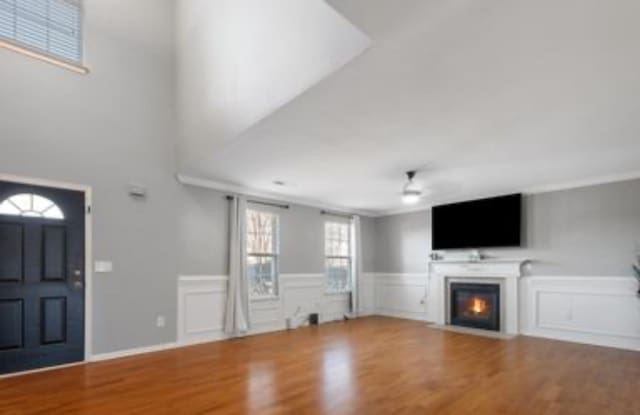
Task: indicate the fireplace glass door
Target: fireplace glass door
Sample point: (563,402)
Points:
(475,305)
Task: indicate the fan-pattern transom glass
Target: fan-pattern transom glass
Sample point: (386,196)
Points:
(337,248)
(31,205)
(262,253)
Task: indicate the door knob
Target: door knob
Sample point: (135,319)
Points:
(77,285)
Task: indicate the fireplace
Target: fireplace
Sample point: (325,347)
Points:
(506,273)
(475,305)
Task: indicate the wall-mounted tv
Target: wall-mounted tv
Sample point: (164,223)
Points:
(494,222)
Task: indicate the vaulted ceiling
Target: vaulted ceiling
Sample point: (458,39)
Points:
(483,97)
(241,60)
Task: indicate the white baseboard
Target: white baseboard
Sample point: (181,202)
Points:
(202,340)
(366,312)
(402,314)
(133,352)
(40,370)
(586,338)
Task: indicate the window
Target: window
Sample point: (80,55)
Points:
(31,205)
(262,253)
(49,27)
(337,249)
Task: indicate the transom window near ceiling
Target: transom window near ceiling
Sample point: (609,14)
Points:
(48,27)
(262,253)
(338,258)
(31,205)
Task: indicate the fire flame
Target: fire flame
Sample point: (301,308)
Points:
(478,305)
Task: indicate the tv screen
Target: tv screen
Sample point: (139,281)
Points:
(482,223)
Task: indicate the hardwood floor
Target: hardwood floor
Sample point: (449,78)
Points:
(371,366)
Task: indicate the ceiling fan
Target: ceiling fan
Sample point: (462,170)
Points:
(411,192)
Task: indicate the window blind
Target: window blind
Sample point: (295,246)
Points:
(51,27)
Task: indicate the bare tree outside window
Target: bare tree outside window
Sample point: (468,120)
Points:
(337,257)
(262,253)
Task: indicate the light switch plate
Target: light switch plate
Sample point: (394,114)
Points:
(103,266)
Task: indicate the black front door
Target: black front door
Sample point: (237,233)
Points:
(41,276)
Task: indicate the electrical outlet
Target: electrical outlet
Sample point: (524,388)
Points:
(160,321)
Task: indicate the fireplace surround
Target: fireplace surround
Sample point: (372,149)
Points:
(503,272)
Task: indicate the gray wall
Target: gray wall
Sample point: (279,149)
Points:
(402,242)
(204,230)
(587,231)
(106,129)
(369,238)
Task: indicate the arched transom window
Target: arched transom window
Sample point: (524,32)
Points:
(30,205)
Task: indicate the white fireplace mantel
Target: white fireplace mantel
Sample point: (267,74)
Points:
(505,271)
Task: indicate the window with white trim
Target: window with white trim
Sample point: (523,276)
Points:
(262,253)
(338,257)
(48,27)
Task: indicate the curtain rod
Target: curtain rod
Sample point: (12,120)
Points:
(342,215)
(260,202)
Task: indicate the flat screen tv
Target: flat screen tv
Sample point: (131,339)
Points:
(484,223)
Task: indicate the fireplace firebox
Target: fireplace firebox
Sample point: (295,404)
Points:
(475,305)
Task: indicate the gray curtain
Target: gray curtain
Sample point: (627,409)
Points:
(236,322)
(357,265)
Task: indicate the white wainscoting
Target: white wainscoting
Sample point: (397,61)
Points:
(595,310)
(201,304)
(603,311)
(303,292)
(367,294)
(397,295)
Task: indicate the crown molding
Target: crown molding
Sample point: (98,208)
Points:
(232,188)
(576,184)
(403,210)
(222,186)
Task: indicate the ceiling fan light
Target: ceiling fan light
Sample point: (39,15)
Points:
(411,197)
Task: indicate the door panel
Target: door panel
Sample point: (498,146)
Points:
(53,315)
(11,254)
(11,324)
(54,247)
(41,278)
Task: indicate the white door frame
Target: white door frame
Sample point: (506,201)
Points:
(88,254)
